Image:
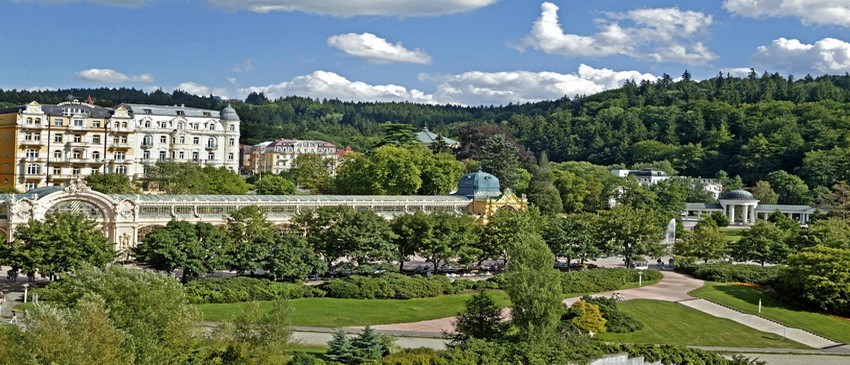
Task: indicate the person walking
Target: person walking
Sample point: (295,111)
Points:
(14,319)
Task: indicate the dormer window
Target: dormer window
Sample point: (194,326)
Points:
(146,111)
(181,113)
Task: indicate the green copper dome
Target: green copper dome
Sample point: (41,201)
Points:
(479,185)
(738,195)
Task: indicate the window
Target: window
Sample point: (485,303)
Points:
(195,156)
(78,138)
(232,128)
(123,124)
(182,139)
(33,169)
(211,156)
(29,120)
(147,123)
(27,136)
(181,113)
(95,124)
(182,155)
(211,143)
(146,155)
(230,156)
(57,171)
(57,138)
(78,123)
(207,114)
(163,139)
(32,153)
(57,122)
(118,156)
(147,140)
(121,170)
(232,141)
(162,155)
(95,139)
(212,127)
(196,140)
(147,111)
(95,155)
(57,155)
(75,171)
(180,125)
(196,126)
(77,155)
(30,185)
(123,139)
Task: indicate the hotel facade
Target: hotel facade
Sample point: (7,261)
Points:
(49,145)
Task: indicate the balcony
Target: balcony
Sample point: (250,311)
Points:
(31,126)
(121,130)
(120,146)
(31,142)
(121,162)
(79,128)
(147,146)
(77,144)
(212,147)
(34,159)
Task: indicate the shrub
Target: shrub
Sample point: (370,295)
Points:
(668,354)
(388,286)
(618,321)
(243,289)
(303,358)
(587,317)
(599,280)
(725,272)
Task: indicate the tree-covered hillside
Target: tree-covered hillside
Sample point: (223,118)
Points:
(748,126)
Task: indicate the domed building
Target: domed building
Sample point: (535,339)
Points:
(743,200)
(487,197)
(743,208)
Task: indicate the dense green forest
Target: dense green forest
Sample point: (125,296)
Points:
(748,126)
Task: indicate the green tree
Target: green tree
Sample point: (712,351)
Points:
(819,276)
(150,309)
(587,317)
(221,181)
(481,318)
(791,188)
(573,190)
(62,242)
(397,134)
(533,285)
(368,346)
(440,172)
(255,336)
(110,183)
(189,178)
(340,349)
(310,171)
(831,232)
(706,242)
(196,249)
(542,191)
(291,258)
(764,193)
(719,219)
(250,234)
(839,200)
(574,237)
(632,232)
(500,157)
(274,185)
(763,243)
(439,145)
(339,231)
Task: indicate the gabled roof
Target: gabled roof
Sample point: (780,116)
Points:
(427,137)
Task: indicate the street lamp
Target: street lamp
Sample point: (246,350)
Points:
(640,277)
(26,287)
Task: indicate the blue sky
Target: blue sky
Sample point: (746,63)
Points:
(468,52)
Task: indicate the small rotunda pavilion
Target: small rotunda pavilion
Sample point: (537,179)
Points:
(743,200)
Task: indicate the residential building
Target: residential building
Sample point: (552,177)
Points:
(46,145)
(279,156)
(650,176)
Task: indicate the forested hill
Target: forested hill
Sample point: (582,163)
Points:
(749,126)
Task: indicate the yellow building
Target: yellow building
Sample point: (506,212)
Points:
(52,144)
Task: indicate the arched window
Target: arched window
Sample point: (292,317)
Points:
(211,143)
(212,126)
(95,155)
(182,139)
(124,124)
(147,124)
(87,209)
(232,128)
(180,125)
(29,120)
(147,140)
(57,155)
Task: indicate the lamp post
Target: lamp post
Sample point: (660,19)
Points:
(26,288)
(640,277)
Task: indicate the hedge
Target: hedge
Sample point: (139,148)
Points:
(397,286)
(725,272)
(600,280)
(244,289)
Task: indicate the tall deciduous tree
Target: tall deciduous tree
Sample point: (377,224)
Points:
(481,319)
(632,232)
(575,237)
(250,234)
(62,242)
(763,243)
(196,249)
(764,193)
(819,276)
(274,185)
(310,171)
(791,188)
(256,337)
(706,242)
(110,183)
(339,231)
(290,257)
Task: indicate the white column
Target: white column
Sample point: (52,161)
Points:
(732,213)
(744,218)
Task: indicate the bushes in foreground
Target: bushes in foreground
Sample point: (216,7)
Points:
(725,272)
(618,321)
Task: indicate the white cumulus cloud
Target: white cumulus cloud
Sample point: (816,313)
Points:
(663,35)
(202,90)
(499,88)
(468,88)
(826,56)
(810,12)
(111,76)
(736,71)
(348,8)
(324,84)
(376,49)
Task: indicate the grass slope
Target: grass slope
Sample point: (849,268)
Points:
(675,324)
(336,312)
(746,300)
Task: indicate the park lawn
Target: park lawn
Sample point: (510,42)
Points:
(732,234)
(675,324)
(339,312)
(746,300)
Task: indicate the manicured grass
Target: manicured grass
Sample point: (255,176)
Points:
(675,324)
(732,234)
(311,349)
(336,312)
(746,300)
